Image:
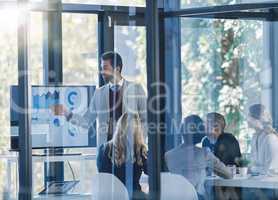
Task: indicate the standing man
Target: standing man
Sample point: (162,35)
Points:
(110,101)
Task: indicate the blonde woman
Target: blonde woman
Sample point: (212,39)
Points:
(125,155)
(264,145)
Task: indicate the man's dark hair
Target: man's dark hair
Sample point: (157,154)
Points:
(256,111)
(217,118)
(192,129)
(115,59)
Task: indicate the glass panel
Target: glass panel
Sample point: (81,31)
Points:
(8,77)
(127,113)
(35,59)
(109,2)
(130,42)
(226,92)
(80,49)
(223,71)
(51,130)
(36,48)
(198,3)
(9,59)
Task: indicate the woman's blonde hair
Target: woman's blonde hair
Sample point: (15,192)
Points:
(128,141)
(259,113)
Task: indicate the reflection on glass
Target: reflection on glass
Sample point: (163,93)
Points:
(8,77)
(223,71)
(80,54)
(35,59)
(36,48)
(130,42)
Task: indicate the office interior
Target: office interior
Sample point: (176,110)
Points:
(191,57)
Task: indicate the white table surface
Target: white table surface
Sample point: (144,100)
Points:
(66,197)
(263,182)
(82,157)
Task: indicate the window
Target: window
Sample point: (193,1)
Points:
(8,77)
(36,48)
(80,49)
(224,70)
(130,42)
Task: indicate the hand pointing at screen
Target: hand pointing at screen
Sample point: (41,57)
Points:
(59,109)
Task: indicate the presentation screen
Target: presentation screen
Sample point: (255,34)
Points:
(47,129)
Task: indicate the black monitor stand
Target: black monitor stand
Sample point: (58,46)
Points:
(54,173)
(59,188)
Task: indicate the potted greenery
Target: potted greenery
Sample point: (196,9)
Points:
(242,164)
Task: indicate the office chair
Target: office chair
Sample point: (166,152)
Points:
(108,187)
(175,186)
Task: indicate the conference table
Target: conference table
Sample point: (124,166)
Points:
(259,182)
(64,197)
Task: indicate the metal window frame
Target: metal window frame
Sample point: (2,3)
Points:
(253,11)
(273,55)
(53,75)
(156,75)
(172,57)
(25,142)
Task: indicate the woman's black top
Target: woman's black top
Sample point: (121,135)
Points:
(105,165)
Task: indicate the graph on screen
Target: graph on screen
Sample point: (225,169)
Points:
(45,100)
(50,130)
(61,132)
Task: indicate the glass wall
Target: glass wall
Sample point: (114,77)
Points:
(35,59)
(8,67)
(36,48)
(224,71)
(80,67)
(211,65)
(80,49)
(130,41)
(9,72)
(227,99)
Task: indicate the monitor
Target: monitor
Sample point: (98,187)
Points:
(47,129)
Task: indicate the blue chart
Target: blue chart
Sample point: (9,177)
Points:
(73,98)
(60,132)
(57,122)
(45,100)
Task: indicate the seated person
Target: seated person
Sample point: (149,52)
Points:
(125,153)
(264,145)
(191,161)
(224,145)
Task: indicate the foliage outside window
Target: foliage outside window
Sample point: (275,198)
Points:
(221,67)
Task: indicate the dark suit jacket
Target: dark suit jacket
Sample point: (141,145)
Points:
(105,165)
(226,148)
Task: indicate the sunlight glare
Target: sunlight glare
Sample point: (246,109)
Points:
(8,19)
